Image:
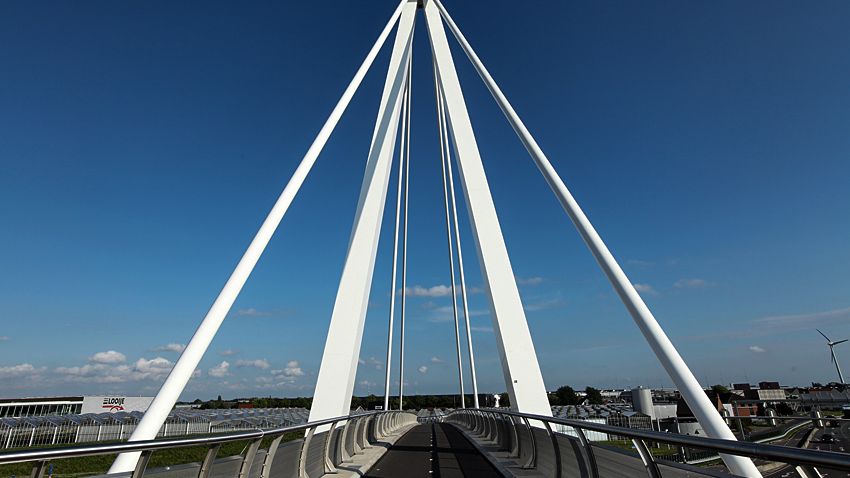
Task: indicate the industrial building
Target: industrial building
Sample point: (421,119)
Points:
(93,427)
(53,406)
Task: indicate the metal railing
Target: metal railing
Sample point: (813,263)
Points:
(326,444)
(533,443)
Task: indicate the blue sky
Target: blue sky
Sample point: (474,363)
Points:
(141,145)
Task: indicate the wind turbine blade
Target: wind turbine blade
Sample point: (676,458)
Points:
(840,342)
(824,335)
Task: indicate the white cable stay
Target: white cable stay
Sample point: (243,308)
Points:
(404,235)
(473,374)
(394,281)
(441,126)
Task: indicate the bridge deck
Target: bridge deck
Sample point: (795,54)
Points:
(435,449)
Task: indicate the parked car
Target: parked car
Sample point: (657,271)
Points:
(827,438)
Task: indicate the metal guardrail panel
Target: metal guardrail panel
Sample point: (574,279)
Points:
(565,451)
(284,461)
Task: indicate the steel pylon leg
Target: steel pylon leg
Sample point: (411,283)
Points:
(338,369)
(516,349)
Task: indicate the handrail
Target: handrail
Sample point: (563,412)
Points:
(790,455)
(41,454)
(785,417)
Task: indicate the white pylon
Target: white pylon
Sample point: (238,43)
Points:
(519,361)
(335,382)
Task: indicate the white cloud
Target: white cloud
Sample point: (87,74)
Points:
(757,349)
(691,283)
(640,263)
(252,312)
(292,369)
(441,314)
(434,291)
(446,313)
(481,328)
(436,360)
(116,372)
(529,280)
(804,319)
(12,371)
(90,370)
(423,369)
(172,347)
(220,370)
(108,357)
(372,362)
(259,363)
(228,352)
(154,368)
(645,289)
(543,304)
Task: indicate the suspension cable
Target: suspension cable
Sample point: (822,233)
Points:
(441,123)
(448,162)
(393,292)
(404,236)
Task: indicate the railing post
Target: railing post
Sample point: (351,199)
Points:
(516,446)
(646,457)
(806,471)
(504,433)
(343,437)
(209,458)
(363,433)
(269,459)
(38,469)
(379,426)
(142,464)
(248,459)
(358,432)
(532,460)
(492,433)
(591,458)
(556,447)
(479,423)
(302,458)
(329,462)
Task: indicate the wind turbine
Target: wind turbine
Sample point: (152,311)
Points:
(832,353)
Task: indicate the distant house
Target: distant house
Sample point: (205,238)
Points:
(825,398)
(730,401)
(766,394)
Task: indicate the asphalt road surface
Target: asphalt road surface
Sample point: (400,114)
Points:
(433,450)
(841,444)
